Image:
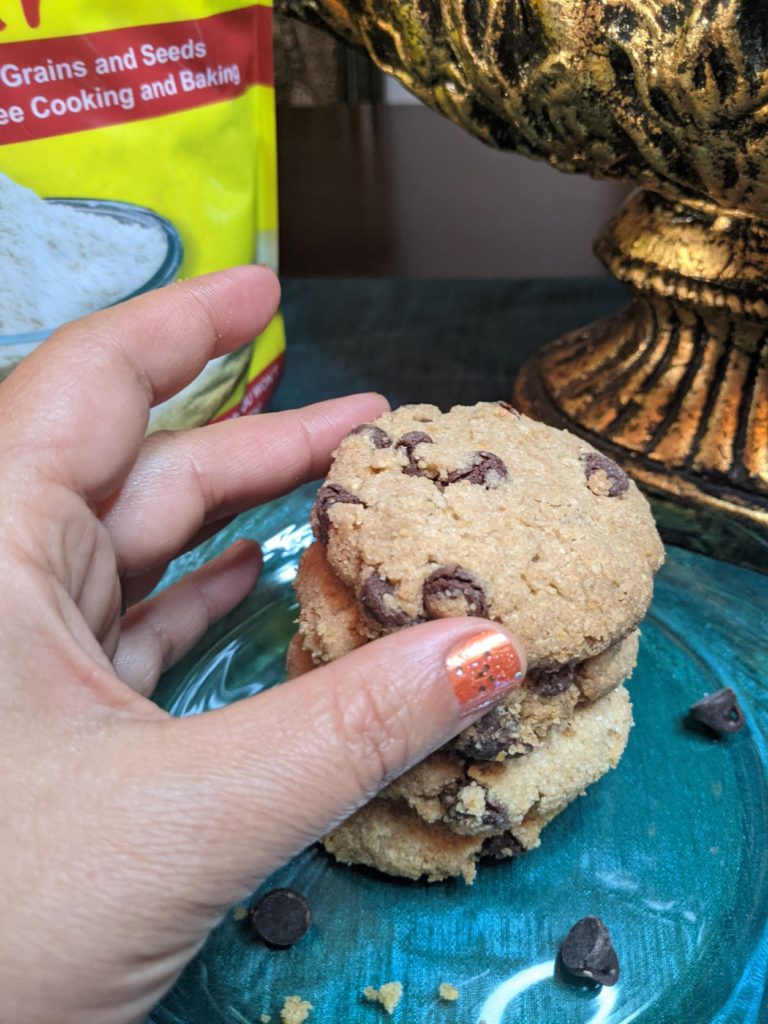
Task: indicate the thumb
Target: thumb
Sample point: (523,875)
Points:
(267,776)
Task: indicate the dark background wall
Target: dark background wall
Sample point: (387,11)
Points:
(373,183)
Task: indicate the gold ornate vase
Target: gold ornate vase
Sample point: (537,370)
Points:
(673,95)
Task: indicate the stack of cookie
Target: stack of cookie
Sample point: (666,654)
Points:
(481,511)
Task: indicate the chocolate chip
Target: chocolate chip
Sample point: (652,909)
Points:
(484,468)
(548,682)
(454,799)
(503,846)
(281,917)
(379,438)
(408,442)
(604,476)
(373,597)
(588,952)
(328,495)
(493,734)
(509,408)
(452,583)
(720,711)
(411,439)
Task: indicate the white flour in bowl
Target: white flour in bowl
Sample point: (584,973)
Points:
(58,262)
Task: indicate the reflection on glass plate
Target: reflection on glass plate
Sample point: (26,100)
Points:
(670,849)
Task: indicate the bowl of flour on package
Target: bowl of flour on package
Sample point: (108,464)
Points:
(61,259)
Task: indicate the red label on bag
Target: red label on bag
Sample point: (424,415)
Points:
(78,83)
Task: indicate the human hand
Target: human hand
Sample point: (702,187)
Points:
(126,833)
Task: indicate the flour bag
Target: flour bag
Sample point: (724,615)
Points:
(137,146)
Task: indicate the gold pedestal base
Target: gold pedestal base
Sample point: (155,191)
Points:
(675,387)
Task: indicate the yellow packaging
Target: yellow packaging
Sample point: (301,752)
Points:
(160,115)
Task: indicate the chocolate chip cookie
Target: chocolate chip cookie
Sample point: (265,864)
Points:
(481,511)
(440,818)
(332,623)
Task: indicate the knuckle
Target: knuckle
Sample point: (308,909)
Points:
(373,729)
(201,480)
(308,449)
(205,607)
(162,644)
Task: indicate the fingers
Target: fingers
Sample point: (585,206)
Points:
(136,587)
(183,481)
(157,632)
(120,362)
(268,775)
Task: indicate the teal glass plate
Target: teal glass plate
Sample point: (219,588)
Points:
(670,849)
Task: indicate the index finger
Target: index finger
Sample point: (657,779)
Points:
(95,380)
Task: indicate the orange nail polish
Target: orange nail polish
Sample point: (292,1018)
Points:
(482,669)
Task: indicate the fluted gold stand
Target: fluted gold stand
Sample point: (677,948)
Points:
(675,387)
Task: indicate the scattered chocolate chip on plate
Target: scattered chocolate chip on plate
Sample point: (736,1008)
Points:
(588,952)
(281,917)
(720,711)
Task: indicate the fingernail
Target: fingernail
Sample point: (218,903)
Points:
(482,669)
(242,549)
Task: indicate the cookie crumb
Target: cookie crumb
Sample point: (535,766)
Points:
(240,913)
(295,1010)
(469,873)
(265,1018)
(389,995)
(449,993)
